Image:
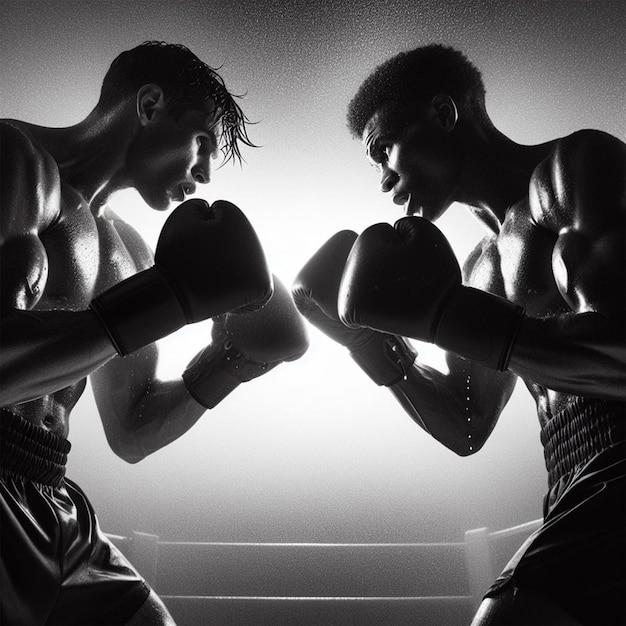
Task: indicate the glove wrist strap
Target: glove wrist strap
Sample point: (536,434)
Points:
(138,311)
(386,359)
(218,370)
(480,327)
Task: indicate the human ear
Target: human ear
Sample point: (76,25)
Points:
(445,111)
(150,100)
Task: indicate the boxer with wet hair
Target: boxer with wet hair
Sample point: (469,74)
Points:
(82,295)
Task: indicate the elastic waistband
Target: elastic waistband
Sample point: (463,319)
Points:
(579,432)
(31,452)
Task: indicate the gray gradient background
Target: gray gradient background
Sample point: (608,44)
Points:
(314,451)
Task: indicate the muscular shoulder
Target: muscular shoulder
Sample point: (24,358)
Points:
(138,249)
(579,194)
(581,183)
(29,183)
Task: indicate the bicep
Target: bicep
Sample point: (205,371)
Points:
(120,385)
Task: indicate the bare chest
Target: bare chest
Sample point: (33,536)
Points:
(84,254)
(517,264)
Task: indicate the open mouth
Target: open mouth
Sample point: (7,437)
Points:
(410,207)
(188,189)
(408,203)
(181,192)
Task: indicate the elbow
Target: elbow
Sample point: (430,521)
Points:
(468,449)
(128,450)
(131,458)
(466,445)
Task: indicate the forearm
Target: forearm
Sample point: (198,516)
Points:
(459,409)
(582,354)
(44,351)
(141,413)
(162,415)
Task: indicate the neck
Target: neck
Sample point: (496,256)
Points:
(498,173)
(91,153)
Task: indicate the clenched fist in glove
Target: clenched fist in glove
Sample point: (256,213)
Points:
(405,279)
(245,346)
(208,261)
(384,357)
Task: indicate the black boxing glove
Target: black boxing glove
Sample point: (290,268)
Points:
(245,346)
(405,279)
(208,261)
(385,358)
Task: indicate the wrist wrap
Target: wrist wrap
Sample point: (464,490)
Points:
(219,369)
(386,359)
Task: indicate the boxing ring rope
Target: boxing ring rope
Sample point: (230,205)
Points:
(337,584)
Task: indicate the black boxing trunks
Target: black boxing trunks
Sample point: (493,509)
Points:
(56,565)
(578,556)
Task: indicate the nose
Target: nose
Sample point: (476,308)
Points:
(201,171)
(388,179)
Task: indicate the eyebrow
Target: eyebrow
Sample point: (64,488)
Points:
(373,145)
(372,138)
(213,125)
(383,130)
